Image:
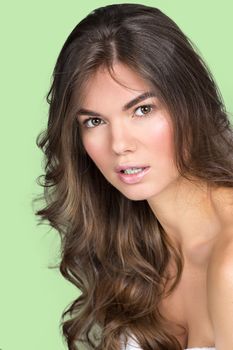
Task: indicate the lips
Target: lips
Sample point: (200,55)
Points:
(133,178)
(119,168)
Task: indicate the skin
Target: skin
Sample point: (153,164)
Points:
(192,215)
(195,216)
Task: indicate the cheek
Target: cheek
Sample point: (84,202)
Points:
(161,138)
(94,149)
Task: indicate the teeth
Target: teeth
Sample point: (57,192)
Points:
(133,170)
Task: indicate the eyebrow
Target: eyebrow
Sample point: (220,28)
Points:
(127,106)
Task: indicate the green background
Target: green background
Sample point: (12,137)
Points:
(33,296)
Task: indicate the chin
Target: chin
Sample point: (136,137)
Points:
(135,198)
(137,195)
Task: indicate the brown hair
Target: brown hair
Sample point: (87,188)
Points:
(113,249)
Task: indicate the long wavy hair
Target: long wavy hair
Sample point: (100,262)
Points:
(113,249)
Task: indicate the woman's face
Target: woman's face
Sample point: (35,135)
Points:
(132,137)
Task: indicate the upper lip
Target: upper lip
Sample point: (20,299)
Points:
(128,166)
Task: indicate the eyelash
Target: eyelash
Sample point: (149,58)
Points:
(142,106)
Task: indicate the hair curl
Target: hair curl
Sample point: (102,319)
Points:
(113,249)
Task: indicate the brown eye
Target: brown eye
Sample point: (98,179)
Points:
(95,121)
(145,109)
(92,122)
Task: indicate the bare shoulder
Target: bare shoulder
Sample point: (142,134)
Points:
(222,254)
(220,292)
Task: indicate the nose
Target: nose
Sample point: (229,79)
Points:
(122,139)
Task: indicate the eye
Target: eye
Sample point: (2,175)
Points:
(145,109)
(94,122)
(91,122)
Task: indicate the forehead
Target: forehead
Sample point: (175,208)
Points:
(101,85)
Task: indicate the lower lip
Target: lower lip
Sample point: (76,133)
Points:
(133,178)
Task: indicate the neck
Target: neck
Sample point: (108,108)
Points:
(190,213)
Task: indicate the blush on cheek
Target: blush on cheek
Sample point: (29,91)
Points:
(161,135)
(94,150)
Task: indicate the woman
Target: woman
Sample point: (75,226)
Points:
(139,184)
